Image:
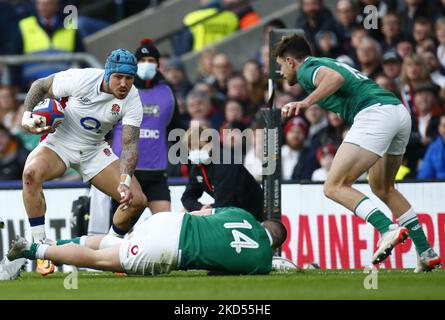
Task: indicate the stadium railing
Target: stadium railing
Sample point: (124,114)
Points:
(60,184)
(17,184)
(76,58)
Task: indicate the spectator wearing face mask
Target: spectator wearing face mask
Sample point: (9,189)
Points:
(227,182)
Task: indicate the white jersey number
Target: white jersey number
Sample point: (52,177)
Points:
(355,72)
(240,239)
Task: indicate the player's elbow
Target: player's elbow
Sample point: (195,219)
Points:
(338,80)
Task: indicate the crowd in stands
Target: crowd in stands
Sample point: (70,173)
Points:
(405,55)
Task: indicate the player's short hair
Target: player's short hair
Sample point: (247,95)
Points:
(277,231)
(295,46)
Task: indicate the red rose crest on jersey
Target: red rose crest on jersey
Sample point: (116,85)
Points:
(107,152)
(134,250)
(115,109)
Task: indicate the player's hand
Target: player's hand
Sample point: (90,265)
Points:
(31,123)
(126,196)
(293,108)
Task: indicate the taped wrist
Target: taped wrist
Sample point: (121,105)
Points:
(125,180)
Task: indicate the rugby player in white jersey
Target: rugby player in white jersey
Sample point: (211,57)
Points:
(94,100)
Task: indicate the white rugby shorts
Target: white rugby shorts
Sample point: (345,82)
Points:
(381,129)
(88,161)
(153,247)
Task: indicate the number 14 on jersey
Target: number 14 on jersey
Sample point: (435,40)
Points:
(240,239)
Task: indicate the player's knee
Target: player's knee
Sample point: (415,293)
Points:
(382,192)
(331,190)
(31,176)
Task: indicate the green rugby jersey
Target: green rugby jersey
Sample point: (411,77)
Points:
(230,240)
(356,93)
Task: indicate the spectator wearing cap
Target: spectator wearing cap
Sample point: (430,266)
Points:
(314,16)
(297,161)
(426,102)
(392,67)
(325,156)
(433,166)
(391,31)
(369,57)
(161,115)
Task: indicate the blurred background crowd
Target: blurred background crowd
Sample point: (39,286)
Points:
(405,54)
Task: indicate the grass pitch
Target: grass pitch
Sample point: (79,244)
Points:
(196,285)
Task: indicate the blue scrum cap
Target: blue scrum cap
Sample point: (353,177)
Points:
(120,61)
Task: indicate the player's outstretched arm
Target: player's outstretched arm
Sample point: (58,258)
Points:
(40,90)
(128,161)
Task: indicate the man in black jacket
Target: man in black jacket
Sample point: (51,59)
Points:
(229,184)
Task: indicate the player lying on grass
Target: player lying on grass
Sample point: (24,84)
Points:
(228,240)
(377,140)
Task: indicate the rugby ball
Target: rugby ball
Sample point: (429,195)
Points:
(283,264)
(50,112)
